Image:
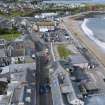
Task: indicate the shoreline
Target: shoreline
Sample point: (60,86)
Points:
(90,34)
(73,27)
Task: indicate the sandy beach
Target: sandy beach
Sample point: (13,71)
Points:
(74,27)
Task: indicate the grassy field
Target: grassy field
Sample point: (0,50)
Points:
(9,37)
(63,51)
(15,13)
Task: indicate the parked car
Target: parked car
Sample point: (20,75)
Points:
(67,36)
(41,89)
(45,88)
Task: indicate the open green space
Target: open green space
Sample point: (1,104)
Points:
(9,34)
(9,37)
(63,51)
(15,13)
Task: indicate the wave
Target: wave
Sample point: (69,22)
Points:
(90,34)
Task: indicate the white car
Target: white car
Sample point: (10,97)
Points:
(67,36)
(33,56)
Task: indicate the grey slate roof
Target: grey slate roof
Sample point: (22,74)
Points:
(2,53)
(96,100)
(78,59)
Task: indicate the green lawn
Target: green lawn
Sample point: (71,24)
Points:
(15,13)
(9,37)
(63,51)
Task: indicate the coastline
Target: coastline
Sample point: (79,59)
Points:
(73,26)
(88,32)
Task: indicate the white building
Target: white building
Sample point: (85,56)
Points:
(45,25)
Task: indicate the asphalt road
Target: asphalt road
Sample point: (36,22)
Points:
(41,79)
(42,74)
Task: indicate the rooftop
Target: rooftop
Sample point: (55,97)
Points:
(2,53)
(96,100)
(79,74)
(91,86)
(63,88)
(2,42)
(45,23)
(78,59)
(18,91)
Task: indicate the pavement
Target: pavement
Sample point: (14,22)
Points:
(56,92)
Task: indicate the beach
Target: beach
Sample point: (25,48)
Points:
(74,27)
(94,29)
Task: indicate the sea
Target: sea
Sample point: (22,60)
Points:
(74,1)
(94,28)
